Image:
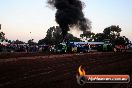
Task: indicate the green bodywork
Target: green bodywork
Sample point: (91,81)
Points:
(61,48)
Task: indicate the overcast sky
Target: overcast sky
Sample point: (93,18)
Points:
(20,17)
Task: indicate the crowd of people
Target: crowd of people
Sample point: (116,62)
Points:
(23,48)
(59,48)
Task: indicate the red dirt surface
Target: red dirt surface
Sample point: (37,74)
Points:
(59,71)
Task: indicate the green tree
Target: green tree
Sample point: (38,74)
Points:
(87,35)
(99,37)
(122,40)
(18,42)
(72,38)
(112,32)
(2,36)
(31,42)
(54,36)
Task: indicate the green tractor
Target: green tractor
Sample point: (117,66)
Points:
(61,48)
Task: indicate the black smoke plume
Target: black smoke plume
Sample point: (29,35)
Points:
(69,14)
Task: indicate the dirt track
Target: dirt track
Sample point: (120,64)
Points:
(59,71)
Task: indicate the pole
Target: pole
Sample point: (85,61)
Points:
(0,26)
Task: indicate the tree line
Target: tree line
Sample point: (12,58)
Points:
(54,36)
(112,33)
